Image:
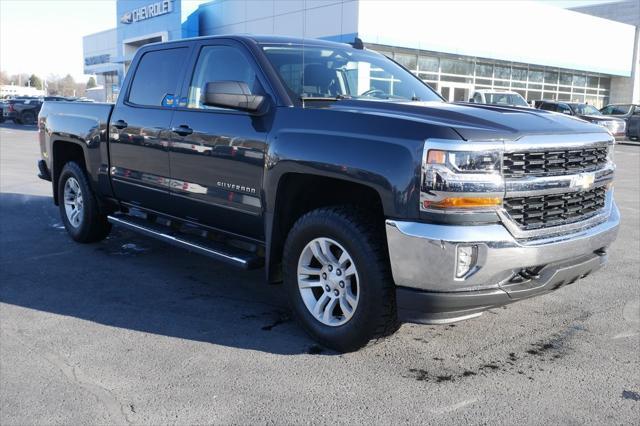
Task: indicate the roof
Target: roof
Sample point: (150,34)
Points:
(262,39)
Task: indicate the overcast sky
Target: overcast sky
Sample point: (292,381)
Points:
(45,36)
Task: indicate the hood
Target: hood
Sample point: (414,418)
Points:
(474,121)
(600,118)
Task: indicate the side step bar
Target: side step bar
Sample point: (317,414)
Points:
(230,255)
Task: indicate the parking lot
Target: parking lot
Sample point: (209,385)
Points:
(130,330)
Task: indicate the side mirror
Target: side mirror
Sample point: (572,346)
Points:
(231,94)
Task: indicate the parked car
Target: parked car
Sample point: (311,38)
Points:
(22,110)
(371,199)
(630,113)
(498,97)
(3,104)
(587,112)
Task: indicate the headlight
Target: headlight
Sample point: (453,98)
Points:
(461,180)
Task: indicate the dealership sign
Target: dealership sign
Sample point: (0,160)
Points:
(147,12)
(96,60)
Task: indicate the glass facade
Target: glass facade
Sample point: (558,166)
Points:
(457,77)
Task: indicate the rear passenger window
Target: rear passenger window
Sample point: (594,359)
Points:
(220,63)
(156,79)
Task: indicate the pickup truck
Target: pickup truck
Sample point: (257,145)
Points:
(341,173)
(21,111)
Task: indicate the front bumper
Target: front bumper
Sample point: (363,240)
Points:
(423,261)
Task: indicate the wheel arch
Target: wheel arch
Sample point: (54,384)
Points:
(64,151)
(299,193)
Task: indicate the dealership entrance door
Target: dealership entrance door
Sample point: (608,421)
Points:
(455,92)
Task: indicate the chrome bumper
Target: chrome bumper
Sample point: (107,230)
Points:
(423,256)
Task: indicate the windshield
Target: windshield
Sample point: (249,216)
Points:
(505,99)
(335,72)
(584,109)
(616,109)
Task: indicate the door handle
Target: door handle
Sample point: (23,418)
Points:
(120,124)
(182,130)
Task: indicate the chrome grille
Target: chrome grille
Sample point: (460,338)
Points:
(543,211)
(554,162)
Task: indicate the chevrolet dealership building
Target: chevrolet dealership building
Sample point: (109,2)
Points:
(539,51)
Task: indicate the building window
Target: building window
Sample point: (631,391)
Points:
(452,66)
(536,76)
(428,63)
(408,61)
(579,80)
(551,77)
(592,82)
(535,82)
(502,72)
(519,74)
(484,70)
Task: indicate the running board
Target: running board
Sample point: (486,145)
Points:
(230,255)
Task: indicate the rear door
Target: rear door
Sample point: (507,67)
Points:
(217,154)
(139,128)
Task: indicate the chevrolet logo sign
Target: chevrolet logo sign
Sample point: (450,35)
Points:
(127,18)
(583,180)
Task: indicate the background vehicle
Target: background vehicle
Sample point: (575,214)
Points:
(630,113)
(3,103)
(498,97)
(341,173)
(587,112)
(22,111)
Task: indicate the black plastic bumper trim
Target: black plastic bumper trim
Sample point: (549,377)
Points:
(44,173)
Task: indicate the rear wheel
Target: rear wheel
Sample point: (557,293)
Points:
(28,118)
(79,207)
(337,276)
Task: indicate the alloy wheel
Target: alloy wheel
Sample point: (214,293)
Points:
(328,281)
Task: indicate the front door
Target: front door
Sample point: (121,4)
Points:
(139,130)
(455,92)
(217,154)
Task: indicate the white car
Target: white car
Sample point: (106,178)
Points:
(498,97)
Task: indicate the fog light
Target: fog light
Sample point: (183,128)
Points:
(465,260)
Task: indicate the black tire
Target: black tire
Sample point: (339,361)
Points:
(93,226)
(375,315)
(28,118)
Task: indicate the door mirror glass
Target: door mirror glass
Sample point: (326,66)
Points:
(231,94)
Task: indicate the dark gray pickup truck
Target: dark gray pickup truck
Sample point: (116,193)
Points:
(342,174)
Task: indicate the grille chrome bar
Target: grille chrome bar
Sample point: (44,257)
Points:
(554,162)
(543,211)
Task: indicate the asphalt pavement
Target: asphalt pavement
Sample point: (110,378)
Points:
(132,331)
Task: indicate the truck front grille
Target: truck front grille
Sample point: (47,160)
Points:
(554,162)
(543,211)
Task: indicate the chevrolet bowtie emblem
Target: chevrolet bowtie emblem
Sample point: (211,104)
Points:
(583,180)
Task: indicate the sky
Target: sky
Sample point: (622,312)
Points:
(45,36)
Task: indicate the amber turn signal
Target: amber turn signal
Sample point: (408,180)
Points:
(464,202)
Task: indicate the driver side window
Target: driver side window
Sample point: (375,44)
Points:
(220,63)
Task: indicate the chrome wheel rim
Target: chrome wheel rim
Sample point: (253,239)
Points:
(73,204)
(328,282)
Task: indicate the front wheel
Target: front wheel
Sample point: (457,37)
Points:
(79,207)
(337,276)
